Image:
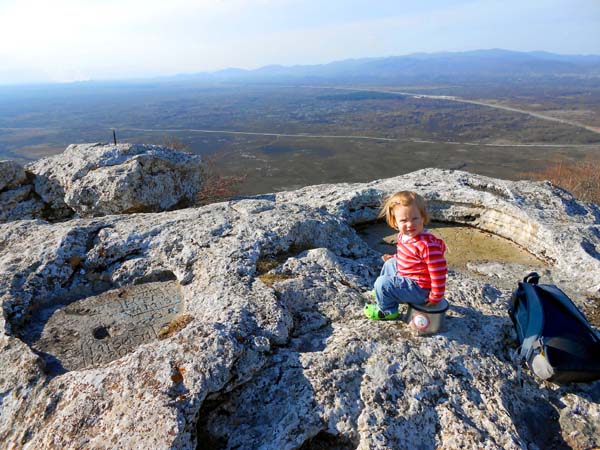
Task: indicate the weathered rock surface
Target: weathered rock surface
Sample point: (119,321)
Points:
(17,197)
(102,328)
(12,175)
(103,179)
(274,352)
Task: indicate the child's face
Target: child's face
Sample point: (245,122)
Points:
(408,220)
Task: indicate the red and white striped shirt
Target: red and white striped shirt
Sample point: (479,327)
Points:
(421,258)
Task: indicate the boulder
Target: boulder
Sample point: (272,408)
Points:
(102,179)
(12,175)
(17,197)
(239,325)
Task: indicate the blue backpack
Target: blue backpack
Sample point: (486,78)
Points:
(556,341)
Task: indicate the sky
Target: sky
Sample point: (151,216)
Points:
(73,40)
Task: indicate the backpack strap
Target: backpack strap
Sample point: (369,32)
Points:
(535,322)
(532,278)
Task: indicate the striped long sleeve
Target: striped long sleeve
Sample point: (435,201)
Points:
(422,259)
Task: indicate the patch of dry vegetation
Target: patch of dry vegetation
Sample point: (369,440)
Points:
(266,264)
(174,326)
(581,178)
(593,314)
(263,269)
(216,187)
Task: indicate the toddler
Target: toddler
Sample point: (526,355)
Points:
(417,272)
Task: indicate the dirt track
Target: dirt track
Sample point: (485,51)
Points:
(473,102)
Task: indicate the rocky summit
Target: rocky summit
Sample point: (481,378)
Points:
(239,325)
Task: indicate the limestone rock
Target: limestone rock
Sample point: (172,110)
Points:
(12,175)
(544,219)
(580,419)
(17,198)
(252,334)
(102,179)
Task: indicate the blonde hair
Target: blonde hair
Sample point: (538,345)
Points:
(403,198)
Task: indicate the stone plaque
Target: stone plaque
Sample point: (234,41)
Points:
(99,329)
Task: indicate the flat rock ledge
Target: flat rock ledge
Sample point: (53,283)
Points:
(90,180)
(238,325)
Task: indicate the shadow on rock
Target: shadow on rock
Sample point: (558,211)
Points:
(535,418)
(326,441)
(277,407)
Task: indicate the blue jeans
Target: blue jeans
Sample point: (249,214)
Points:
(392,289)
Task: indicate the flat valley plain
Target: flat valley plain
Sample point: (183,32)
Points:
(283,137)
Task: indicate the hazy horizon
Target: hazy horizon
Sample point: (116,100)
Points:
(106,40)
(216,72)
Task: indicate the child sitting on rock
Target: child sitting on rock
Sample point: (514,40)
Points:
(417,272)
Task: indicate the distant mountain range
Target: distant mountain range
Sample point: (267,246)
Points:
(492,65)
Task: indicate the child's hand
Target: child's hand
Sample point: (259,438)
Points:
(386,257)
